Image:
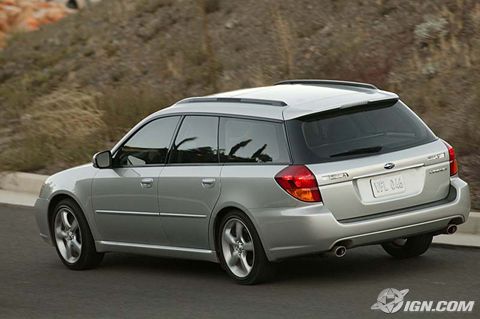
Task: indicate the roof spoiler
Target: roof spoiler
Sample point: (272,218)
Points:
(370,102)
(329,83)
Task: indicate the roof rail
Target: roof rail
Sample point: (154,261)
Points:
(232,100)
(329,82)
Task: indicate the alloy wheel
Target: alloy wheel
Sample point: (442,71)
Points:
(238,248)
(67,235)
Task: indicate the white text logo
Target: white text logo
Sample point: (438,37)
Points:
(390,300)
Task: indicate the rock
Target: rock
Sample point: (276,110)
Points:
(230,24)
(29,15)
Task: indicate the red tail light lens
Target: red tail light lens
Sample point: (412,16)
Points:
(453,160)
(299,181)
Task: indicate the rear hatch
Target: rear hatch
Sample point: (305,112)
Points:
(371,159)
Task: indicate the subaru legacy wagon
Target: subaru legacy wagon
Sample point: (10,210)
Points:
(250,177)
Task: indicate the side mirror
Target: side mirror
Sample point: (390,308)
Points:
(102,159)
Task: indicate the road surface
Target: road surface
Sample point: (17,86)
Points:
(34,283)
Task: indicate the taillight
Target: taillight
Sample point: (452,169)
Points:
(453,159)
(299,181)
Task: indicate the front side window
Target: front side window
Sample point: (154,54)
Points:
(196,141)
(149,145)
(252,141)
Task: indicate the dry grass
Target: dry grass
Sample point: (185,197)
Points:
(122,107)
(66,127)
(61,127)
(204,7)
(284,38)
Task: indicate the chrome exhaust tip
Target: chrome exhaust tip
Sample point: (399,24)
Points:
(340,251)
(451,229)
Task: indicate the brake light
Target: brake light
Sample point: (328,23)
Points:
(453,160)
(299,181)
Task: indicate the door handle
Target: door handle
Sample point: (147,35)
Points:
(146,182)
(208,182)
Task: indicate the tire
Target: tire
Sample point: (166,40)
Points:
(72,237)
(408,247)
(241,254)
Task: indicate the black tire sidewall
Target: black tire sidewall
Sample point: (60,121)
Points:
(260,264)
(414,246)
(88,253)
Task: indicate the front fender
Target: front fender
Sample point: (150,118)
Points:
(75,183)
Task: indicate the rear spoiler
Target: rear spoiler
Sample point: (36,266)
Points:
(352,107)
(388,101)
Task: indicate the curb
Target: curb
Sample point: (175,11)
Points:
(9,198)
(472,226)
(20,189)
(457,239)
(22,182)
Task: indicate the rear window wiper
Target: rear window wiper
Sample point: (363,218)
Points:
(363,150)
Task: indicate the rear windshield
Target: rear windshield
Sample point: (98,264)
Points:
(355,132)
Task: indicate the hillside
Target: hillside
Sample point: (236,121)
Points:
(74,87)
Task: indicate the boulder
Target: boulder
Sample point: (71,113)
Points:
(29,15)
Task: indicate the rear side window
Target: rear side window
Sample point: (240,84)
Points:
(356,132)
(149,145)
(252,141)
(196,141)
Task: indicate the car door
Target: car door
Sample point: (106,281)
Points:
(189,186)
(124,197)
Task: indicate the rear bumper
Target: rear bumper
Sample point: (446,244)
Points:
(312,229)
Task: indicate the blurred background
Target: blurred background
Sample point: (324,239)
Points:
(76,75)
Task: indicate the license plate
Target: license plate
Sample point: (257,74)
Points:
(386,186)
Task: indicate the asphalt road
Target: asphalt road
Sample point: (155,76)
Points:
(34,283)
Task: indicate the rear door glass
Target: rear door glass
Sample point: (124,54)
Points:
(355,132)
(252,141)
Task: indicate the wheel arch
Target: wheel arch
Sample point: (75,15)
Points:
(216,222)
(53,202)
(221,212)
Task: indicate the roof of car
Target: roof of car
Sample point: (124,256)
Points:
(286,100)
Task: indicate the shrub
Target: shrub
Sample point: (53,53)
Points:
(122,107)
(433,28)
(63,127)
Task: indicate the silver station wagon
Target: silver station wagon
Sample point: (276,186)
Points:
(250,177)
